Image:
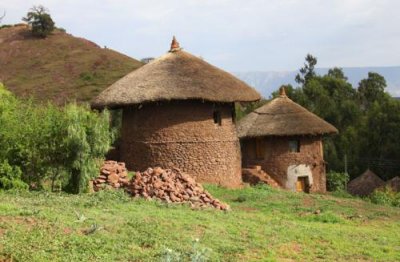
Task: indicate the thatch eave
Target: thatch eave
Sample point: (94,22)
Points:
(286,135)
(283,117)
(176,75)
(121,106)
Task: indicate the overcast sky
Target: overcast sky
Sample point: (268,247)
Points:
(237,35)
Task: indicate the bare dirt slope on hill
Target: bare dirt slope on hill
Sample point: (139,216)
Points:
(58,68)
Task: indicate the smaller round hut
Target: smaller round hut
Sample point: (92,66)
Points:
(365,184)
(394,184)
(285,139)
(178,111)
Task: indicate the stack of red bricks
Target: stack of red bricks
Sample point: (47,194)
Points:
(113,174)
(172,186)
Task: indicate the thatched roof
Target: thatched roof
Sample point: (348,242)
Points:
(394,183)
(364,184)
(282,117)
(176,75)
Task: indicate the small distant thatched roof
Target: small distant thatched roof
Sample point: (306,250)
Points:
(365,184)
(176,75)
(283,117)
(394,183)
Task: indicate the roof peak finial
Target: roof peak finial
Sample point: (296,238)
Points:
(282,91)
(174,45)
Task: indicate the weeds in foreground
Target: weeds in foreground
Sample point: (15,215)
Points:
(268,225)
(196,254)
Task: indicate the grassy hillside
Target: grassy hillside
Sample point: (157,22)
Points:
(264,224)
(60,67)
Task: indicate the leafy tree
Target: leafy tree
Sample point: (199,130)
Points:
(242,109)
(379,137)
(289,90)
(40,20)
(371,89)
(307,72)
(337,181)
(337,73)
(88,139)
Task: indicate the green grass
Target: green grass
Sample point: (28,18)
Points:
(263,225)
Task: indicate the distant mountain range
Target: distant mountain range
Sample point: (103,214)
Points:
(268,81)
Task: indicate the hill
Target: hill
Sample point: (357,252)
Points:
(268,81)
(60,67)
(263,225)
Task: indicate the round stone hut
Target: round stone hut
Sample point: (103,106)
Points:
(178,111)
(285,140)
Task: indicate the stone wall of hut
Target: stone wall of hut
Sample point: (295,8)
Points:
(280,163)
(197,137)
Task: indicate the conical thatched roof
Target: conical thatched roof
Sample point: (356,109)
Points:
(364,184)
(283,117)
(394,183)
(176,75)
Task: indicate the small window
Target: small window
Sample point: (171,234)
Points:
(217,117)
(294,146)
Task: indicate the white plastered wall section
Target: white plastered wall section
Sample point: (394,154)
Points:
(295,171)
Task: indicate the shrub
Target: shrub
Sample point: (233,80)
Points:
(337,181)
(48,142)
(88,139)
(10,177)
(385,196)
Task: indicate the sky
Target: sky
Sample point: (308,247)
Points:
(236,35)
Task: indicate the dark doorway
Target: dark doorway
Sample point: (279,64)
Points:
(302,184)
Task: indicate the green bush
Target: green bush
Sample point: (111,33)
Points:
(51,143)
(337,181)
(10,177)
(88,140)
(385,196)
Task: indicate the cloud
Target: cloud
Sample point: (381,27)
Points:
(236,34)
